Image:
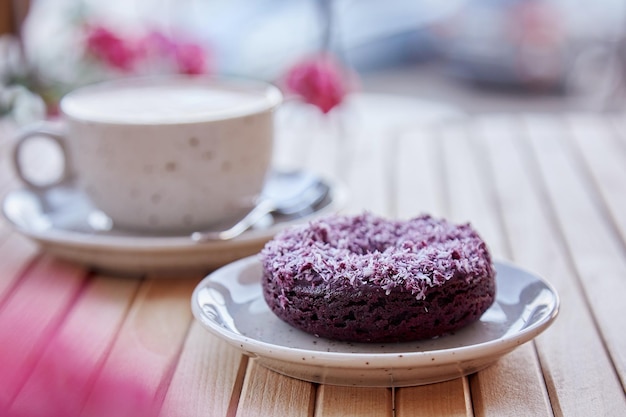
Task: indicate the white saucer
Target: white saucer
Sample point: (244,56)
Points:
(64,222)
(230,304)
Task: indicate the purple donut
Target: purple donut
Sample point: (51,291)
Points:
(364,278)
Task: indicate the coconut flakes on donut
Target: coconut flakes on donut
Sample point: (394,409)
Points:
(412,255)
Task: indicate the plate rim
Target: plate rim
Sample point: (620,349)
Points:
(377,360)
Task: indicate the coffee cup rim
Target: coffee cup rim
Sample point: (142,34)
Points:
(272,95)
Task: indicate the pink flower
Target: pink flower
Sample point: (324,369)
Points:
(320,80)
(110,48)
(183,57)
(190,59)
(154,51)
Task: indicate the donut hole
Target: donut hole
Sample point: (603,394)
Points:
(366,235)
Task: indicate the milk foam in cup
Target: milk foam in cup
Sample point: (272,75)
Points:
(173,154)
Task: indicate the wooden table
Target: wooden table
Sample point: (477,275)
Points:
(547,192)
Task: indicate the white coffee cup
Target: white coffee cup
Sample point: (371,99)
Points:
(171,154)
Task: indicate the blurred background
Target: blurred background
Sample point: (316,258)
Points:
(478,55)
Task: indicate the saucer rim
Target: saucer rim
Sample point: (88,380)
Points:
(137,241)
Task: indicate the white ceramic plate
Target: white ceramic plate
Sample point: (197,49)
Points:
(229,303)
(64,223)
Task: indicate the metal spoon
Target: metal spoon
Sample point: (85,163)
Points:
(287,193)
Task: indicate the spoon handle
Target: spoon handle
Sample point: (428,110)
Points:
(257,213)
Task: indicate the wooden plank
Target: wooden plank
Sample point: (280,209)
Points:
(468,187)
(535,242)
(140,366)
(513,386)
(336,401)
(472,198)
(208,377)
(536,245)
(30,317)
(76,352)
(417,181)
(267,393)
(360,148)
(594,246)
(442,399)
(362,164)
(336,148)
(368,179)
(599,150)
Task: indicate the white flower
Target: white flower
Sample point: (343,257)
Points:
(27,107)
(16,100)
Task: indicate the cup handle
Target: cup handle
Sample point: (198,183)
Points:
(52,133)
